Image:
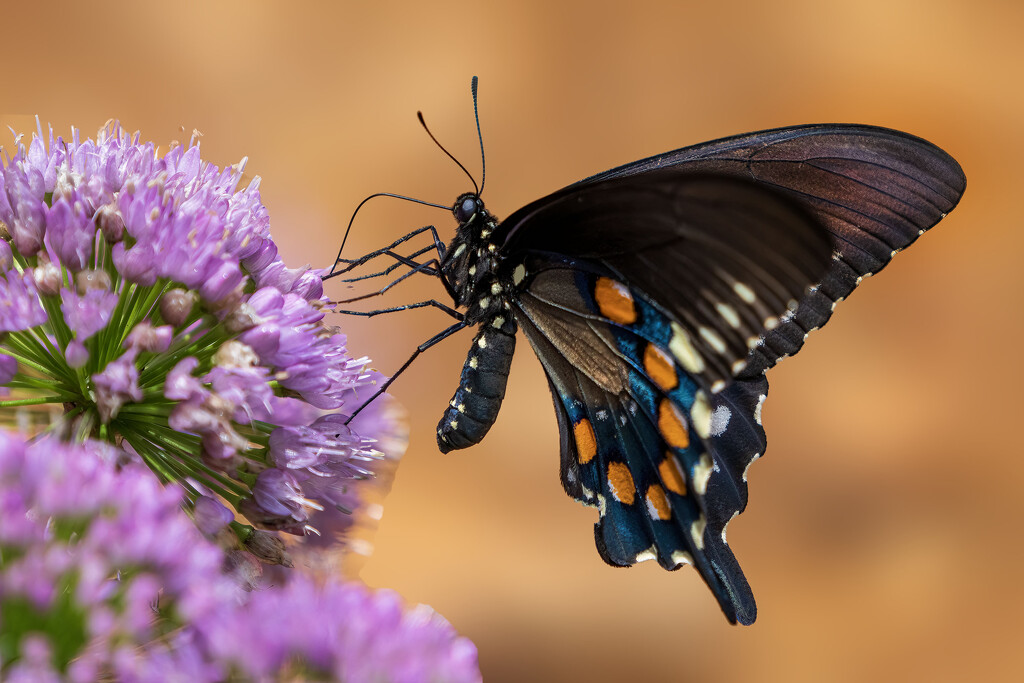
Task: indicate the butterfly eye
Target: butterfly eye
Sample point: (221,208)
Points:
(466,207)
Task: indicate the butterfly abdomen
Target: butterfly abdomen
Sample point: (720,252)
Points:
(475,405)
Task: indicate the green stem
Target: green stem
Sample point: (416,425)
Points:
(32,401)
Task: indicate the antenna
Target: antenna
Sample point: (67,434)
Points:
(480,137)
(423,123)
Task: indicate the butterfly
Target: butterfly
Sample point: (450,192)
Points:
(656,295)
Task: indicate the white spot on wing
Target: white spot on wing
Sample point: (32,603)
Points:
(729,315)
(712,338)
(518,274)
(747,468)
(727,526)
(697,532)
(700,415)
(757,408)
(682,557)
(682,348)
(648,554)
(744,292)
(701,474)
(720,420)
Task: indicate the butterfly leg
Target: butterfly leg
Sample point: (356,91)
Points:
(437,338)
(394,309)
(349,264)
(399,261)
(429,267)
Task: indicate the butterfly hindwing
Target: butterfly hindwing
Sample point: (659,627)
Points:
(642,439)
(631,456)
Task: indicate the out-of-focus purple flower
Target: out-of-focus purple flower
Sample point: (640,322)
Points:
(8,368)
(104,578)
(76,354)
(117,384)
(102,548)
(89,313)
(20,307)
(358,635)
(211,515)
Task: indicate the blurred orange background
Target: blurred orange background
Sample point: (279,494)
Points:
(883,538)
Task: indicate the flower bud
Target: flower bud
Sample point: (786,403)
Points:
(111,224)
(235,354)
(242,318)
(176,306)
(86,280)
(267,547)
(47,278)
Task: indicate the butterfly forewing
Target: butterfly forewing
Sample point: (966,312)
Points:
(696,245)
(875,190)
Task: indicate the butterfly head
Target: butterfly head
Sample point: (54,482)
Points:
(467,207)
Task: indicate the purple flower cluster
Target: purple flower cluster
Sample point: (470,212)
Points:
(144,295)
(104,578)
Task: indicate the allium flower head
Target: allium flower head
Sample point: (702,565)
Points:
(105,579)
(142,295)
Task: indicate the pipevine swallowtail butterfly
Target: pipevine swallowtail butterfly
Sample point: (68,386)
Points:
(656,295)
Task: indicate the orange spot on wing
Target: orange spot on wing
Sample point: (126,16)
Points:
(586,444)
(671,475)
(657,503)
(672,425)
(620,481)
(614,301)
(659,367)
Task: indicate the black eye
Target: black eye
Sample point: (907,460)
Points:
(466,207)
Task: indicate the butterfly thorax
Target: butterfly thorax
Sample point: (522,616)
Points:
(471,265)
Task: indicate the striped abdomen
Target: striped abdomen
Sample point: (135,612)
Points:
(475,405)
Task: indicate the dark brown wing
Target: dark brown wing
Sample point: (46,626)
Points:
(874,189)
